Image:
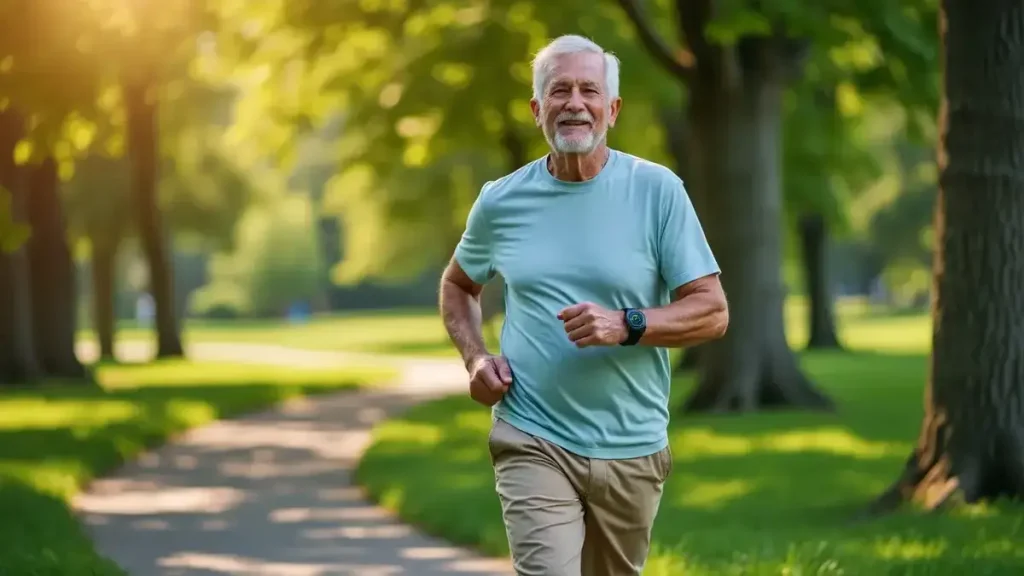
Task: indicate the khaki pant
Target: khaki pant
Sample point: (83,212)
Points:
(567,515)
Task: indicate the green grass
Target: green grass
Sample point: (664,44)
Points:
(419,332)
(758,494)
(415,332)
(57,437)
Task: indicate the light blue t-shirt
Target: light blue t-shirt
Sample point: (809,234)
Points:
(625,238)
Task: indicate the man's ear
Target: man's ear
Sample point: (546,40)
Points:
(535,108)
(615,108)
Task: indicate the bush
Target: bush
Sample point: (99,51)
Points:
(276,263)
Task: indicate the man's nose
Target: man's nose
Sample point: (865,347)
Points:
(576,100)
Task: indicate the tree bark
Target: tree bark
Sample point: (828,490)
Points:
(689,360)
(739,126)
(679,141)
(104,266)
(821,304)
(141,110)
(17,352)
(735,118)
(52,276)
(972,434)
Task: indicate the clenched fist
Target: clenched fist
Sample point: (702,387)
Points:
(489,379)
(588,324)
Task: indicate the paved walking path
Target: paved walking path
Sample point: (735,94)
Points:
(271,494)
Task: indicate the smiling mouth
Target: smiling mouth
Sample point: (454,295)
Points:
(574,123)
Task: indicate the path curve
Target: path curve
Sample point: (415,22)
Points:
(271,493)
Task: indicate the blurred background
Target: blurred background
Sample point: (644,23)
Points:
(211,162)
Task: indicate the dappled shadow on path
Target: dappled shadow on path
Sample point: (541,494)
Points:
(270,494)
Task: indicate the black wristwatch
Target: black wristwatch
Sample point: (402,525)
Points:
(636,324)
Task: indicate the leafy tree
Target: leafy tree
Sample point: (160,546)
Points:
(738,61)
(970,440)
(146,47)
(827,159)
(47,85)
(434,101)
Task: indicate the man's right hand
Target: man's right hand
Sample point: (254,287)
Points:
(489,379)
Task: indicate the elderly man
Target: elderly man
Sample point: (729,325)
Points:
(606,267)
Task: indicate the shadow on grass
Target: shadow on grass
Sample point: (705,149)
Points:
(751,494)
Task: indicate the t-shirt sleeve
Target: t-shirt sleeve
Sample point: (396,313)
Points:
(685,254)
(475,248)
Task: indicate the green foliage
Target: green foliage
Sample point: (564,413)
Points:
(275,262)
(434,100)
(848,58)
(204,191)
(49,70)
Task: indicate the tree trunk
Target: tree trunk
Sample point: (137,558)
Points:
(738,168)
(679,141)
(972,434)
(821,316)
(492,299)
(52,273)
(18,362)
(141,107)
(104,266)
(689,360)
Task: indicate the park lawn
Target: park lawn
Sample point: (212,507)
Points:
(419,332)
(771,493)
(55,438)
(411,332)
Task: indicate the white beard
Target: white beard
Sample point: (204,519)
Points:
(578,145)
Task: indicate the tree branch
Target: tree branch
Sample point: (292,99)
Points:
(716,64)
(654,44)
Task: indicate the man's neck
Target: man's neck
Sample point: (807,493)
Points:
(578,167)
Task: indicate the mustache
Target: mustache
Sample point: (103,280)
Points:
(574,117)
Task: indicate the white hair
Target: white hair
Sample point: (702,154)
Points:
(543,62)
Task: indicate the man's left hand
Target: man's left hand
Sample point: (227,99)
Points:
(588,324)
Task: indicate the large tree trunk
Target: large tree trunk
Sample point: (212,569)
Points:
(688,360)
(738,167)
(972,434)
(678,140)
(52,273)
(140,103)
(735,119)
(17,351)
(821,316)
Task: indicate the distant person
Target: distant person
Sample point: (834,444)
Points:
(606,267)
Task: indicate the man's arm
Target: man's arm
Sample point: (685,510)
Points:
(698,313)
(489,375)
(460,311)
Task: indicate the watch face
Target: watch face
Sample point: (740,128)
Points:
(635,319)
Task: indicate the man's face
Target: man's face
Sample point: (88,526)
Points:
(575,110)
